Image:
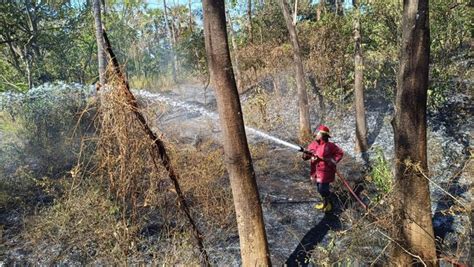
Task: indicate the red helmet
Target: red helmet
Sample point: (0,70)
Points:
(323,129)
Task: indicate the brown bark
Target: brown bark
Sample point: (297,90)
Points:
(253,241)
(158,150)
(100,42)
(305,128)
(361,124)
(414,229)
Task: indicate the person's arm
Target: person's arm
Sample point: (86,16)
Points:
(337,155)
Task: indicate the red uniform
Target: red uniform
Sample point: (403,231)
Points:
(323,171)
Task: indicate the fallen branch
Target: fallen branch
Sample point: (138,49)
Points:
(158,145)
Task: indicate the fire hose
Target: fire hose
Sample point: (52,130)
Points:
(344,181)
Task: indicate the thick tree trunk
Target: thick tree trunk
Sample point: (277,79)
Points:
(414,229)
(361,124)
(100,42)
(305,128)
(234,48)
(253,241)
(171,38)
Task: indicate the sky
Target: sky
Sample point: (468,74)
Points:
(195,4)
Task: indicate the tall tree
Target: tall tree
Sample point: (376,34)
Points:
(414,230)
(172,39)
(361,124)
(101,56)
(305,128)
(234,48)
(253,241)
(249,17)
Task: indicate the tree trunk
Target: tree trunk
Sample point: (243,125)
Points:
(249,15)
(295,14)
(305,128)
(190,17)
(319,10)
(414,229)
(33,28)
(29,74)
(234,48)
(171,40)
(253,241)
(320,97)
(340,7)
(100,42)
(361,125)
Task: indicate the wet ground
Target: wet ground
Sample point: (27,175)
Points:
(293,226)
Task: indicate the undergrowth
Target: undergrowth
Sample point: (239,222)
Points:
(115,206)
(381,174)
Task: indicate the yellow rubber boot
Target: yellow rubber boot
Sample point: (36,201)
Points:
(328,207)
(319,206)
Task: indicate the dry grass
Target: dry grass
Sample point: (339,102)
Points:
(86,220)
(105,207)
(202,179)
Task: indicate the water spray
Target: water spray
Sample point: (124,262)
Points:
(214,116)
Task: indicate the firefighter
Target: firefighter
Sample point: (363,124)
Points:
(325,156)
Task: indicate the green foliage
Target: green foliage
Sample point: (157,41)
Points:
(381,174)
(41,125)
(44,42)
(450,25)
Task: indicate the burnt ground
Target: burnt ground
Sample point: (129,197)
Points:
(294,227)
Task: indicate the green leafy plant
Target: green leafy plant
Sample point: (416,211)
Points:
(381,173)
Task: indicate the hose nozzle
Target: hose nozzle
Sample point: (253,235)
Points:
(305,151)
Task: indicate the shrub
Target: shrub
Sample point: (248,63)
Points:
(39,126)
(381,174)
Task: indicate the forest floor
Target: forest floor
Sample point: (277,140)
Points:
(293,226)
(297,233)
(295,229)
